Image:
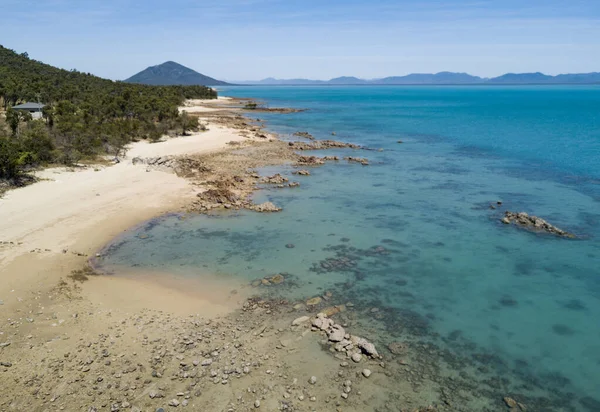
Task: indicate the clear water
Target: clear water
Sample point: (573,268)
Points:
(515,312)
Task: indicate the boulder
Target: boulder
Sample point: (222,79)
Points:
(336,333)
(367,347)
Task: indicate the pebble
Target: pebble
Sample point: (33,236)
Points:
(312,380)
(174,402)
(344,395)
(257,403)
(207,362)
(356,357)
(366,373)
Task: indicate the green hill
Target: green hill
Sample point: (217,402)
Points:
(84,115)
(171,73)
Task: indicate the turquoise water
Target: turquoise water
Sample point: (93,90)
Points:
(508,312)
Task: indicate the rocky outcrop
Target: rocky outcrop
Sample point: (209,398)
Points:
(353,346)
(361,160)
(310,161)
(276,179)
(301,173)
(218,196)
(314,160)
(534,223)
(306,135)
(322,145)
(182,166)
(265,208)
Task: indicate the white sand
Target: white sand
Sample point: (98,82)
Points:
(81,210)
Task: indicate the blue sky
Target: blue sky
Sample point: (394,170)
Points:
(254,39)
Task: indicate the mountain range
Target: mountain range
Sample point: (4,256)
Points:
(171,73)
(447,78)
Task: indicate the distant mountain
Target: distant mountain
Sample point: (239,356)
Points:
(447,78)
(347,80)
(171,73)
(270,81)
(578,78)
(522,78)
(427,78)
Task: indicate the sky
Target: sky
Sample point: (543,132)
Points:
(254,39)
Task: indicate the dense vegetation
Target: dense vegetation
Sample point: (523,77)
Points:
(85,116)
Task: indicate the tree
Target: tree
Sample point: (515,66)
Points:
(84,115)
(12,118)
(187,122)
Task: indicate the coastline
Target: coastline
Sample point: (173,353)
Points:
(68,215)
(52,306)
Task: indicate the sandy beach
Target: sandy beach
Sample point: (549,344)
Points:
(61,220)
(73,340)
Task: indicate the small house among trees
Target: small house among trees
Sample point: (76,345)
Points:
(34,108)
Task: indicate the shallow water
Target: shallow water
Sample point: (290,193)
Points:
(413,234)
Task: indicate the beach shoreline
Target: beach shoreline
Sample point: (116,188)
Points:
(58,311)
(52,227)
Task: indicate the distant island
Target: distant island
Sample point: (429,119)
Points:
(441,78)
(171,74)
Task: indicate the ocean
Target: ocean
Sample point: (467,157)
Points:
(415,241)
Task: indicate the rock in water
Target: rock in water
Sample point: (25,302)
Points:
(366,373)
(312,380)
(534,223)
(314,301)
(266,207)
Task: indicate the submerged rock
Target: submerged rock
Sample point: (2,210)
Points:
(306,135)
(265,208)
(314,301)
(534,223)
(361,160)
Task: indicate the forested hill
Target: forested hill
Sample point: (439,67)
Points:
(84,116)
(171,73)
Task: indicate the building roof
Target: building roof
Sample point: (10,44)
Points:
(29,106)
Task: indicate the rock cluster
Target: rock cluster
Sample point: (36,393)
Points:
(183,166)
(306,135)
(353,346)
(265,207)
(310,160)
(534,223)
(269,280)
(276,179)
(322,145)
(361,160)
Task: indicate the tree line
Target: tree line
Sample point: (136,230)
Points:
(84,116)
